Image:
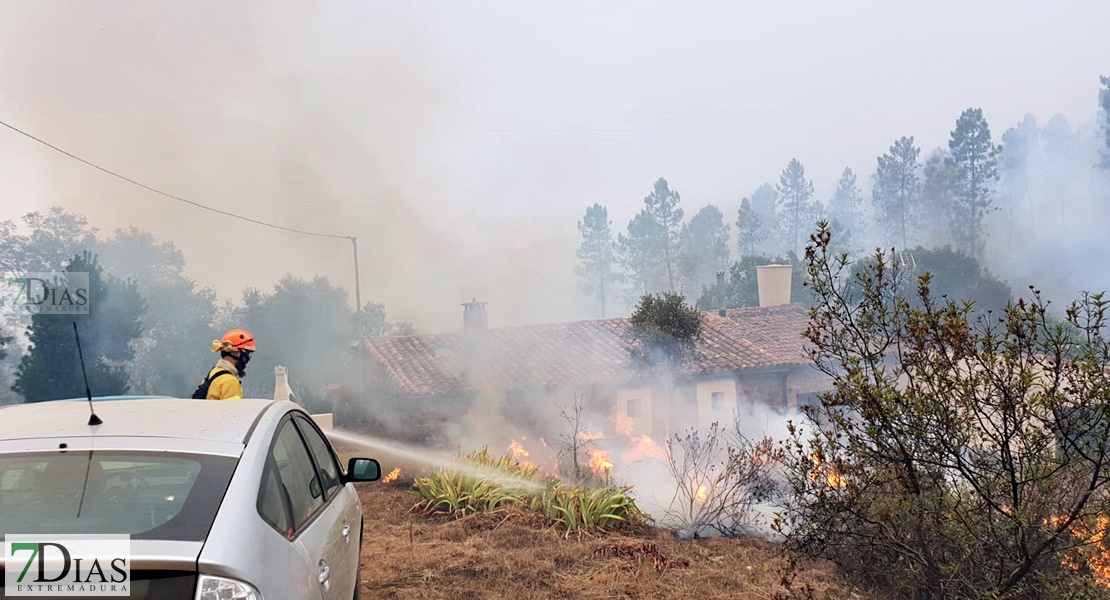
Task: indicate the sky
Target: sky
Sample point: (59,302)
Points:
(461,142)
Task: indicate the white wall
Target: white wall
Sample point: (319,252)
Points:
(726,405)
(640,398)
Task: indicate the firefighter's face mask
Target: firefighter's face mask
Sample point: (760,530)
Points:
(242,360)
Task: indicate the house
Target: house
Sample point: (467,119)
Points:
(419,384)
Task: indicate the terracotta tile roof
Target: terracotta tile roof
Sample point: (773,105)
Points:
(583,352)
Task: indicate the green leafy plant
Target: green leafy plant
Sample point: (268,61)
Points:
(575,508)
(584,509)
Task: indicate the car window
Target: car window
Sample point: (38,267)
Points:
(273,504)
(148,495)
(297,475)
(321,451)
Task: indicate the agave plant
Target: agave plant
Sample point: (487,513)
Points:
(583,509)
(575,508)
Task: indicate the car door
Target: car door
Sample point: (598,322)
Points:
(315,524)
(342,503)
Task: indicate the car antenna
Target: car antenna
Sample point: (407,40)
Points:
(93,419)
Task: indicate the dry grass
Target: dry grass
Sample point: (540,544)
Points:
(515,554)
(518,555)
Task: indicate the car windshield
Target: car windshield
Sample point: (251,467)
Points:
(148,495)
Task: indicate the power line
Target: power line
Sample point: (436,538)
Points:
(168,195)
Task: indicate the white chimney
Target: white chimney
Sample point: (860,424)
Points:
(475,322)
(282,391)
(774,284)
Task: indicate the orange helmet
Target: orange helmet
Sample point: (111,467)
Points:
(237,339)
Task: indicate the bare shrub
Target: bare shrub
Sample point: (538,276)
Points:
(720,479)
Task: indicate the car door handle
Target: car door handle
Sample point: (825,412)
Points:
(347,532)
(324,576)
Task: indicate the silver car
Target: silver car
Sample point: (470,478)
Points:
(242,499)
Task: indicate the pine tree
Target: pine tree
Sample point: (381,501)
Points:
(795,194)
(895,191)
(1019,145)
(846,205)
(661,205)
(640,254)
(974,162)
(765,204)
(596,254)
(749,229)
(937,193)
(704,248)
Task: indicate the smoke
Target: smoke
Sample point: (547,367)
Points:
(342,118)
(1053,201)
(538,428)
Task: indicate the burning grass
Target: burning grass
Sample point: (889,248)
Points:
(510,481)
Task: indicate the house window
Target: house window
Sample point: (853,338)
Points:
(715,400)
(632,408)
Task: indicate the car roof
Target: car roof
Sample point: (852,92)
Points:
(229,421)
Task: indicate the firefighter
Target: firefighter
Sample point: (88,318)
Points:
(222,382)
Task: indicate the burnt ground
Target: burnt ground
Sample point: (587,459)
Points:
(513,554)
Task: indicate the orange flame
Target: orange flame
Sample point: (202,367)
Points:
(832,478)
(702,494)
(643,447)
(623,425)
(520,454)
(393,475)
(600,463)
(1094,554)
(518,449)
(586,436)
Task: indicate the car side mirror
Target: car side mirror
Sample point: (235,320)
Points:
(363,469)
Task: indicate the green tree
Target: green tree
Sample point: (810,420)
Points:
(954,457)
(846,205)
(952,276)
(845,213)
(662,207)
(749,229)
(895,191)
(664,331)
(765,202)
(596,255)
(52,370)
(795,195)
(640,255)
(304,325)
(180,321)
(937,196)
(38,242)
(742,288)
(974,163)
(704,248)
(1019,145)
(374,318)
(49,241)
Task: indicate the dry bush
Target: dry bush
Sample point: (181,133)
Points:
(959,455)
(720,480)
